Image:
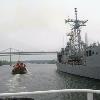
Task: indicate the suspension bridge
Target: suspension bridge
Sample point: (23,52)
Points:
(12,51)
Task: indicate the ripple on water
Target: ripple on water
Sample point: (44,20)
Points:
(44,77)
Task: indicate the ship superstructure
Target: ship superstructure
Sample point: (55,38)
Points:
(77,56)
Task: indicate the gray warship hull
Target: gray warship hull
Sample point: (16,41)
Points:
(81,70)
(78,57)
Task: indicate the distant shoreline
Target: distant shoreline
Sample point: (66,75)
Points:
(30,61)
(41,61)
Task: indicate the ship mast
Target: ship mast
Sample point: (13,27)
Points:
(76,45)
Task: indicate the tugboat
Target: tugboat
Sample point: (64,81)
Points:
(19,68)
(78,57)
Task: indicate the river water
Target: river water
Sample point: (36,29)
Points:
(45,77)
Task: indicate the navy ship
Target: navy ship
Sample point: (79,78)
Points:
(78,57)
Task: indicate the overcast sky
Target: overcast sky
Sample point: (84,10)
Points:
(38,25)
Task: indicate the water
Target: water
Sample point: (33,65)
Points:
(45,77)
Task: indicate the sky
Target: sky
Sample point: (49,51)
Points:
(38,25)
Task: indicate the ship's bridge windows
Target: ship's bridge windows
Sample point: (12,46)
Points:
(90,53)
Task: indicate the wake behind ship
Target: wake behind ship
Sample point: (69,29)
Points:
(78,57)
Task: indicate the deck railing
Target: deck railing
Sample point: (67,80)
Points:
(89,92)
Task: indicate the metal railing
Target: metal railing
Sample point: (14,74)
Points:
(89,92)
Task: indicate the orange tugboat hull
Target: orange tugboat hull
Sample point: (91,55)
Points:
(19,71)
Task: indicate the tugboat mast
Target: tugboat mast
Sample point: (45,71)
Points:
(76,45)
